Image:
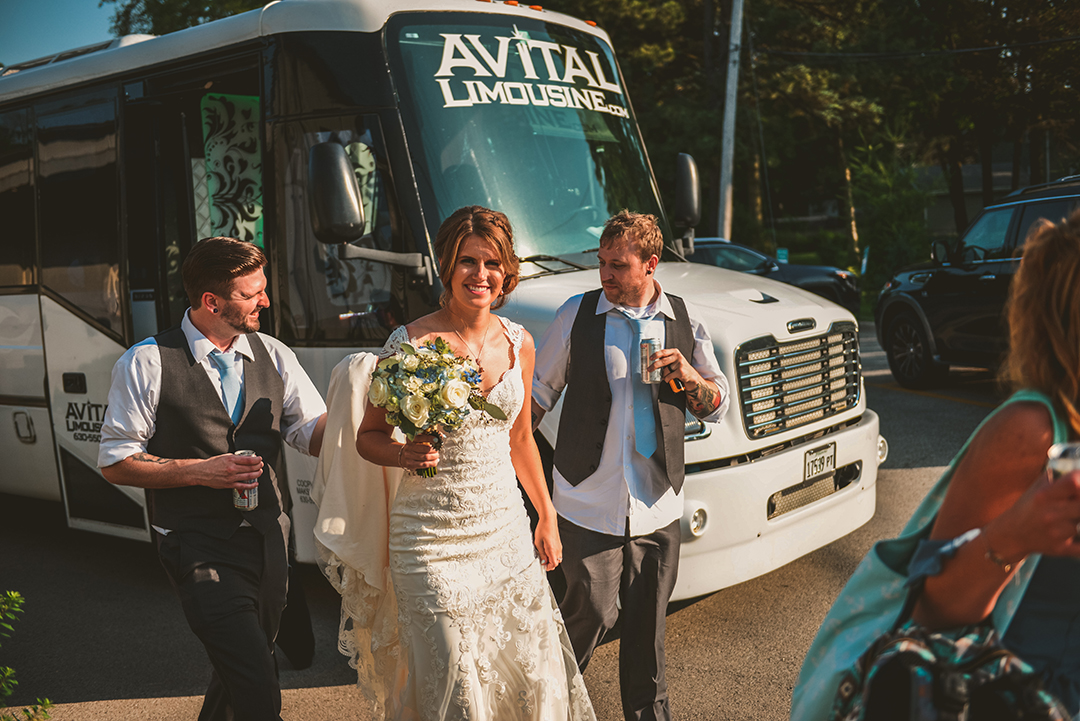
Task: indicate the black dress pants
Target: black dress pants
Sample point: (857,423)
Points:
(641,571)
(232,592)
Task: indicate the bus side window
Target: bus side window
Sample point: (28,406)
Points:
(16,200)
(329,298)
(78,203)
(193,170)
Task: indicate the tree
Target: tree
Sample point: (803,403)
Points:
(10,607)
(158,17)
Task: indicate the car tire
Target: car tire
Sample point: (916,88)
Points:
(908,350)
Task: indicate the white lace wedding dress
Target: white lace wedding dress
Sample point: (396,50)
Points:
(482,633)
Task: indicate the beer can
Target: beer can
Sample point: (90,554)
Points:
(1062,458)
(648,347)
(245,499)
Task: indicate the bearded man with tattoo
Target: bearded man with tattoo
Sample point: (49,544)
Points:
(619,451)
(180,404)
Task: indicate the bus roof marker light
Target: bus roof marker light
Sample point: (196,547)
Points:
(538,8)
(591,22)
(510,2)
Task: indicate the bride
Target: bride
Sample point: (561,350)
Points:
(480,631)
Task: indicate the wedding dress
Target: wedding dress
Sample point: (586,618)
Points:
(479,635)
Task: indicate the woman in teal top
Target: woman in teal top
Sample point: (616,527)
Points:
(1001,509)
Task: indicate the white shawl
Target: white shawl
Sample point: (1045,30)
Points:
(352,536)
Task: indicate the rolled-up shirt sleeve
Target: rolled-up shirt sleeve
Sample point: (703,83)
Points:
(553,356)
(130,418)
(303,405)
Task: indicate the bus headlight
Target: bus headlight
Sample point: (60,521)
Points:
(882,449)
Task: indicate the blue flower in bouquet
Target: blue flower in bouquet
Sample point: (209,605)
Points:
(428,390)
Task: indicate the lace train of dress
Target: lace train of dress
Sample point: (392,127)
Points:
(477,621)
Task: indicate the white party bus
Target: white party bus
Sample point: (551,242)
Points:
(337,134)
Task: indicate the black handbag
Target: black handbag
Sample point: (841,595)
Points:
(913,674)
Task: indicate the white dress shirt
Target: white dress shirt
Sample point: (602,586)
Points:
(131,417)
(618,493)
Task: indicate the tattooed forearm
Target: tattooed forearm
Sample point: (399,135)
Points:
(703,400)
(147,458)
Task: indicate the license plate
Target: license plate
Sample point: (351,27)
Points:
(820,461)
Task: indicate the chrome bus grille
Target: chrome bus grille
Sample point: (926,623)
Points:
(787,385)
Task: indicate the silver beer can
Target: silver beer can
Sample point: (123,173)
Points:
(245,499)
(648,347)
(1062,458)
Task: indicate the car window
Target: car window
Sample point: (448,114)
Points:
(736,258)
(985,240)
(1053,210)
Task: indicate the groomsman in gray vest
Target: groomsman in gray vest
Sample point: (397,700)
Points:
(180,404)
(619,452)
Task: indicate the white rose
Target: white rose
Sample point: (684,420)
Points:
(411,362)
(415,409)
(455,394)
(379,392)
(413,384)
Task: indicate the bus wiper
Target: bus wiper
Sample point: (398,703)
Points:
(539,259)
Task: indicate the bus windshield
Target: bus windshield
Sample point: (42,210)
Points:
(522,116)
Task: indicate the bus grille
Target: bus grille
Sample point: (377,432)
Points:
(786,385)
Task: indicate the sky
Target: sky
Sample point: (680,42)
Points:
(31,29)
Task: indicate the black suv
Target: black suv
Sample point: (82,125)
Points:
(949,310)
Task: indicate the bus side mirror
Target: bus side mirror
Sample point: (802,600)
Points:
(687,201)
(333,195)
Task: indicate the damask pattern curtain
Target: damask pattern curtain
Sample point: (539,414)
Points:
(229,197)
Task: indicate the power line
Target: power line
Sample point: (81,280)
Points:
(914,54)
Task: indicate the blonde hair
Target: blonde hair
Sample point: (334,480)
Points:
(641,229)
(1044,316)
(490,225)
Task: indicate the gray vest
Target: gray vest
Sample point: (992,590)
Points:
(587,398)
(192,423)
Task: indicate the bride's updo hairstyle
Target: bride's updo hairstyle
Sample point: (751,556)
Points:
(1044,316)
(492,226)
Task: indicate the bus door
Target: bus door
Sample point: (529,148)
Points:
(26,439)
(82,306)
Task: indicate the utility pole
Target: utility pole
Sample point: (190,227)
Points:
(727,151)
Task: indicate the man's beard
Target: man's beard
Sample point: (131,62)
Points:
(623,294)
(239,321)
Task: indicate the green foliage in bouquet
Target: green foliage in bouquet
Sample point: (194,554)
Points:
(428,390)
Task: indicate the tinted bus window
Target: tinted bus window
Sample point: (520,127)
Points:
(330,298)
(78,203)
(16,200)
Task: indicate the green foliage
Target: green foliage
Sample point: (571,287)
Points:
(891,205)
(10,607)
(158,17)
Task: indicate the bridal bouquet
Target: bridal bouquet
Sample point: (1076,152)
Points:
(428,390)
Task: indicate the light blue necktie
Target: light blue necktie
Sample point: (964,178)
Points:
(644,420)
(231,387)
